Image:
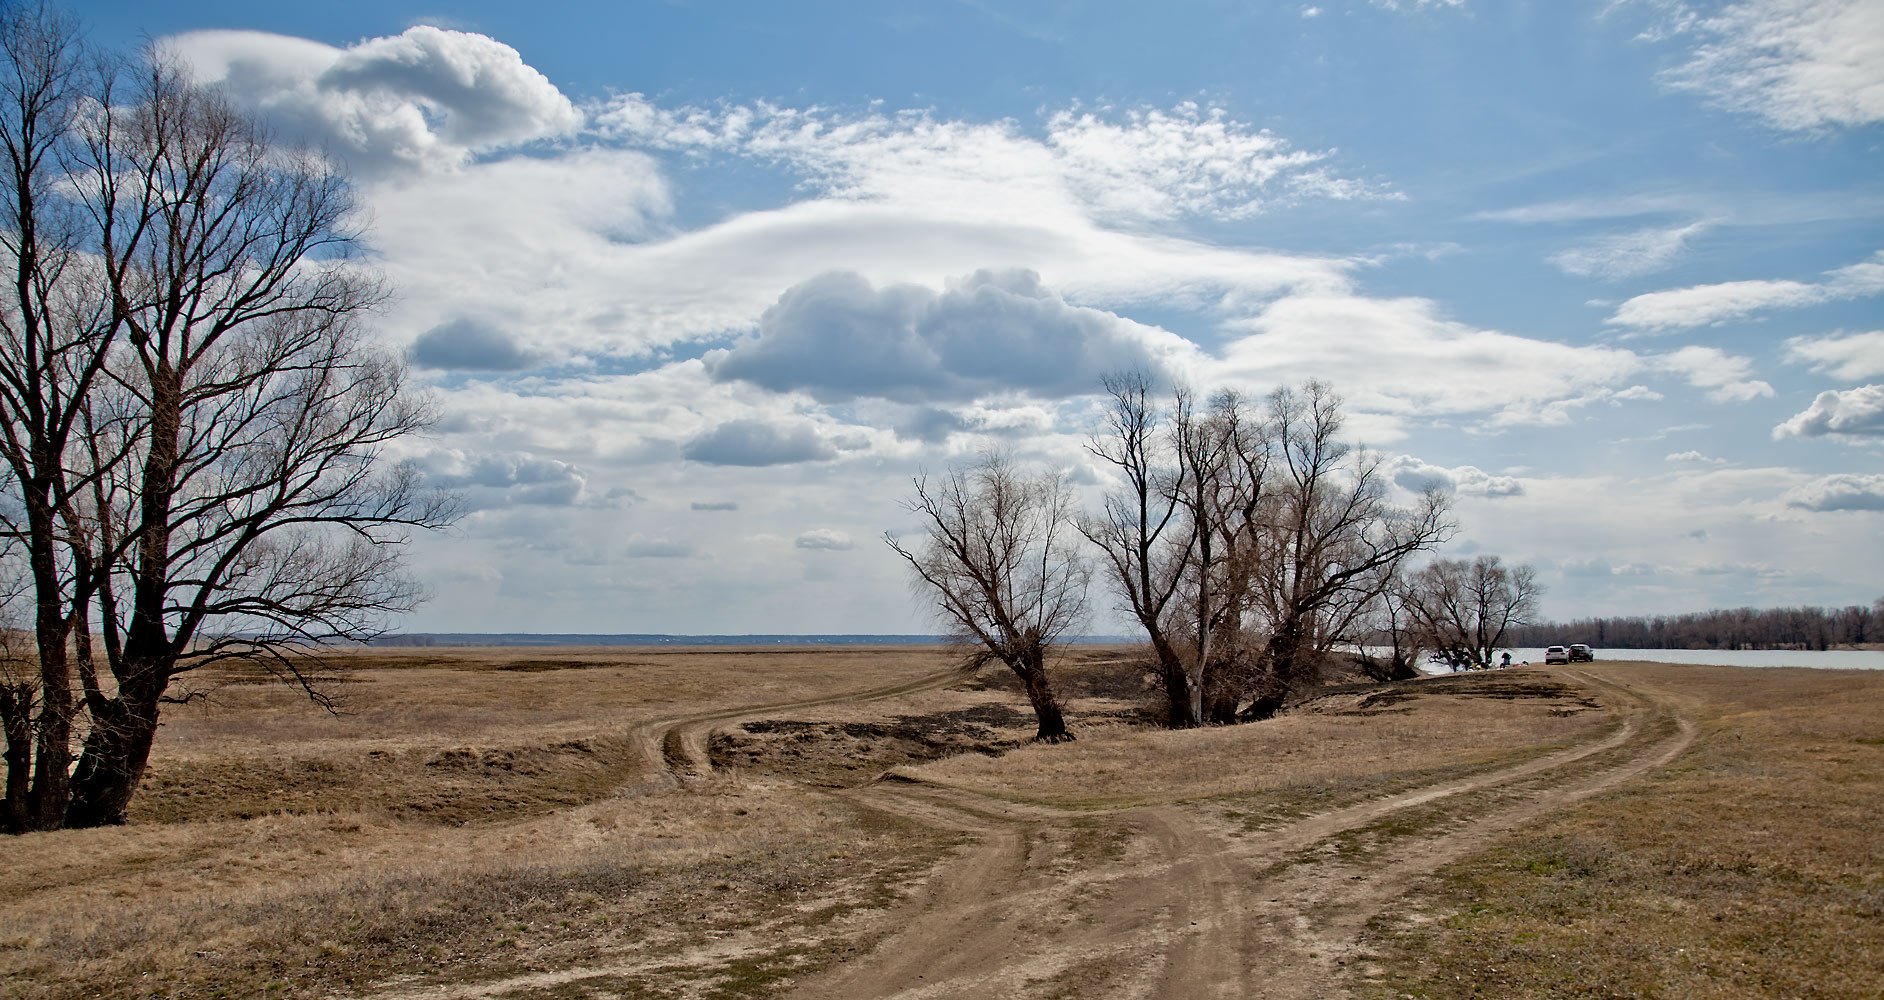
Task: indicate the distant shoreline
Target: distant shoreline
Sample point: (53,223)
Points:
(657,639)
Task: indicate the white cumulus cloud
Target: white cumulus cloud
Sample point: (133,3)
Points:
(1856,412)
(427,98)
(839,337)
(1839,492)
(1417,475)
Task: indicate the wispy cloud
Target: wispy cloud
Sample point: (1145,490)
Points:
(1409,5)
(1852,356)
(1700,305)
(1797,64)
(1726,377)
(1419,361)
(1583,209)
(1135,164)
(1627,255)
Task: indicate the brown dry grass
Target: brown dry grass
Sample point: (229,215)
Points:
(1339,746)
(456,735)
(476,811)
(1753,867)
(479,814)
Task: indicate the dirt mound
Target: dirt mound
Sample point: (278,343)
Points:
(845,754)
(1501,685)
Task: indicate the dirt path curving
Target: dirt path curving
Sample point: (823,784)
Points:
(1168,901)
(676,747)
(1190,906)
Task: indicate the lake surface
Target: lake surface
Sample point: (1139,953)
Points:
(1843,659)
(1834,659)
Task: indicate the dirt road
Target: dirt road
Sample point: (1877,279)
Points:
(1186,903)
(1179,900)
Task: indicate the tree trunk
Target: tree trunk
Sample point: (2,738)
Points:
(1177,691)
(16,714)
(116,753)
(1220,710)
(118,747)
(1176,683)
(1046,706)
(1284,647)
(52,758)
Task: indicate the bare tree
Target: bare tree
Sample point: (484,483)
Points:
(1464,610)
(1331,540)
(57,339)
(1146,539)
(1230,492)
(1405,640)
(195,421)
(1000,563)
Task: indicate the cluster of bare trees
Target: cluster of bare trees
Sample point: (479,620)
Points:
(1246,539)
(1739,628)
(1459,612)
(190,421)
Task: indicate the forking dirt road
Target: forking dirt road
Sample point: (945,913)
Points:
(1171,900)
(1194,906)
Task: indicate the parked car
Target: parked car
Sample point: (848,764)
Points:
(1556,654)
(1582,652)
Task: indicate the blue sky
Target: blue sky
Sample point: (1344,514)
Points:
(699,287)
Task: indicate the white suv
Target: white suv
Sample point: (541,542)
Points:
(1556,654)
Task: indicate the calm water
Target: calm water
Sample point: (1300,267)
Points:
(1837,659)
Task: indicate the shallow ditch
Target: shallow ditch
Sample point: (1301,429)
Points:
(844,754)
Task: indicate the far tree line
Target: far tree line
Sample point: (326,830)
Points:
(1739,628)
(1248,540)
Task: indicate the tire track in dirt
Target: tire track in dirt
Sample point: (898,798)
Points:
(1181,906)
(1027,918)
(676,747)
(1322,905)
(1188,911)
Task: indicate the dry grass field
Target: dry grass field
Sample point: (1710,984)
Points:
(472,809)
(503,823)
(1752,867)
